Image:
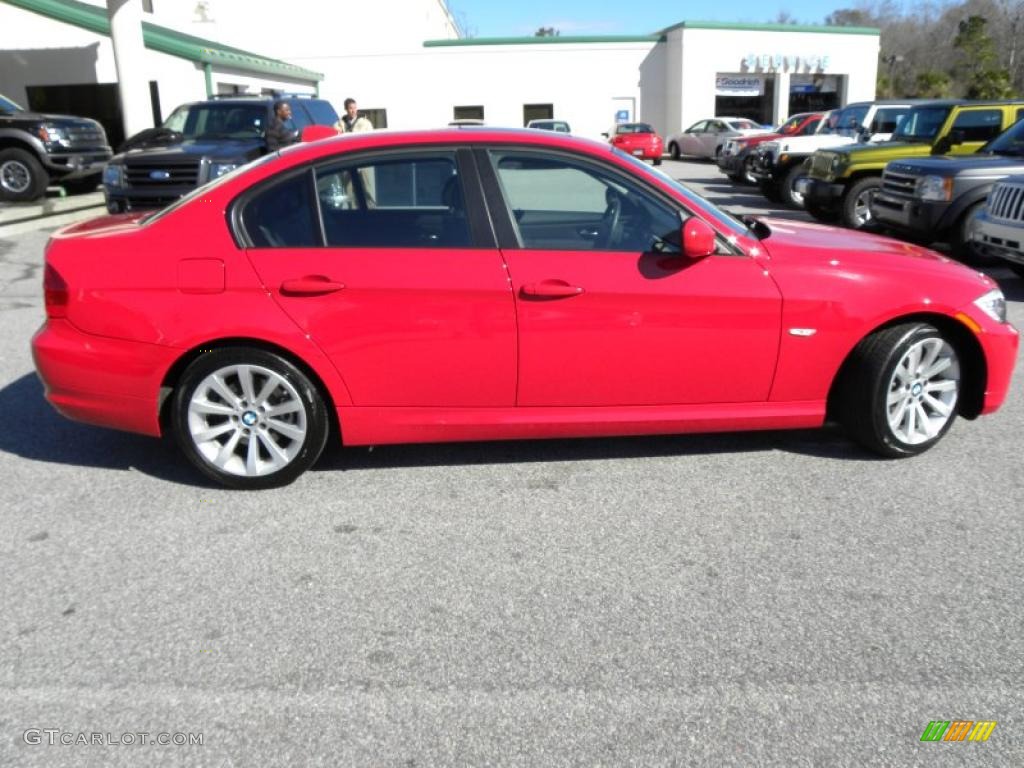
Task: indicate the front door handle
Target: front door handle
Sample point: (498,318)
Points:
(310,285)
(551,289)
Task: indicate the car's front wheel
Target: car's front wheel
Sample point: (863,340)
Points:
(900,390)
(249,418)
(857,203)
(22,176)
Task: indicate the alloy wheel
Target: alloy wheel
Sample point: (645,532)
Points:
(923,390)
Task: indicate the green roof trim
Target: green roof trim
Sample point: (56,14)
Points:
(547,40)
(741,27)
(165,40)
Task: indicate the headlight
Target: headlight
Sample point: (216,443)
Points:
(839,162)
(993,304)
(935,188)
(52,134)
(219,169)
(113,175)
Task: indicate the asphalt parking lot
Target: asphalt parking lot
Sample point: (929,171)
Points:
(755,599)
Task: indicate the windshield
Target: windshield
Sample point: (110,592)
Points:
(1009,142)
(6,105)
(847,121)
(634,128)
(218,121)
(692,198)
(921,124)
(743,125)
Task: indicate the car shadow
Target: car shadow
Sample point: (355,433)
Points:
(34,430)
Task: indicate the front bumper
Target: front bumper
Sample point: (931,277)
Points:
(997,238)
(122,199)
(76,165)
(97,380)
(912,215)
(731,165)
(999,342)
(826,194)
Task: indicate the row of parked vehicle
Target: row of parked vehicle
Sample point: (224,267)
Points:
(929,171)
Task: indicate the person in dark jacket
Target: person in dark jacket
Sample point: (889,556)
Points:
(278,133)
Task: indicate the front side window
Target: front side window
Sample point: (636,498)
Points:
(790,126)
(6,105)
(698,127)
(1010,143)
(921,124)
(811,127)
(409,201)
(562,203)
(979,124)
(218,121)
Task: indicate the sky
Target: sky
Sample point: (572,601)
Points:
(518,18)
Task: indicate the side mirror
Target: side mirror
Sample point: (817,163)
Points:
(605,135)
(957,136)
(317,132)
(698,238)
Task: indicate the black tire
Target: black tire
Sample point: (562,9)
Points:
(673,150)
(1018,269)
(960,245)
(306,418)
(657,161)
(787,191)
(737,178)
(869,380)
(748,169)
(821,213)
(855,213)
(22,176)
(83,185)
(770,190)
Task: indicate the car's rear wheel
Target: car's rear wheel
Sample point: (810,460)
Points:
(657,161)
(22,177)
(248,418)
(900,390)
(770,190)
(673,149)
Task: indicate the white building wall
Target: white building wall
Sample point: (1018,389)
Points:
(708,52)
(420,89)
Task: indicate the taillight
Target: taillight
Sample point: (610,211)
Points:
(55,293)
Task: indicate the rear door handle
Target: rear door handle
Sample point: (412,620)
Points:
(310,285)
(551,289)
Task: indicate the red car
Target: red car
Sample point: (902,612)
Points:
(737,156)
(494,284)
(638,140)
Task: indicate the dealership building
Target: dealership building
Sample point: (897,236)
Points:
(409,65)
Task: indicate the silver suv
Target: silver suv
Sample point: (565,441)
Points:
(999,229)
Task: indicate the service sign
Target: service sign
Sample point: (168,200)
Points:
(785,62)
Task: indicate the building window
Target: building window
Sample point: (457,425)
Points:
(378,117)
(537,112)
(468,113)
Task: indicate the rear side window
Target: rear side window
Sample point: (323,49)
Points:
(413,201)
(281,216)
(979,124)
(811,127)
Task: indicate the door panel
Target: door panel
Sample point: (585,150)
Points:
(644,329)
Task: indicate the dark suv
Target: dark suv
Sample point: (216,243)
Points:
(199,142)
(37,149)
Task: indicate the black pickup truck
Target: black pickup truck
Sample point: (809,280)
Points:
(199,142)
(935,198)
(37,150)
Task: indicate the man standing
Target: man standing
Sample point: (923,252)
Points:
(351,122)
(279,134)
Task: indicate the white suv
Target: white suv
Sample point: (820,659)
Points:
(559,126)
(999,228)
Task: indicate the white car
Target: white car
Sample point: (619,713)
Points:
(705,138)
(558,126)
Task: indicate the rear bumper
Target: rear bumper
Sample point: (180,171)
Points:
(109,382)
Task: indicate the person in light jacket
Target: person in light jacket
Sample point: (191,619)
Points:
(351,121)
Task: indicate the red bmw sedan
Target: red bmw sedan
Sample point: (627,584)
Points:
(451,285)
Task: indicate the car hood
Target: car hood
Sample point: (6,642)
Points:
(947,166)
(43,116)
(192,149)
(883,151)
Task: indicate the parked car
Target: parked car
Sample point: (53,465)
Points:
(998,229)
(934,198)
(37,150)
(841,182)
(637,139)
(550,125)
(465,122)
(781,163)
(478,285)
(197,143)
(738,156)
(706,138)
